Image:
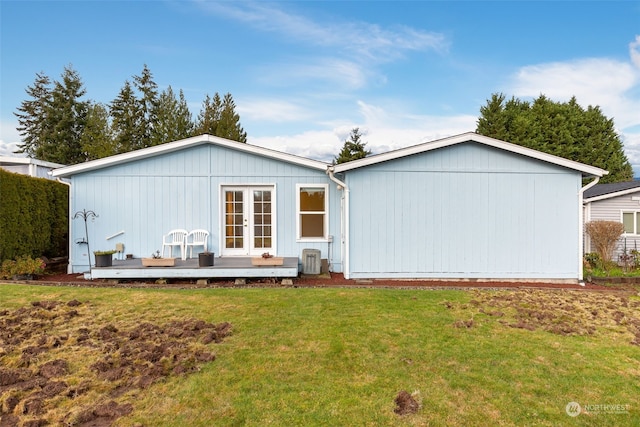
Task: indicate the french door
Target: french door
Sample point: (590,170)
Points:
(248,215)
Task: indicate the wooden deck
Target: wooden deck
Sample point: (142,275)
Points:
(225,267)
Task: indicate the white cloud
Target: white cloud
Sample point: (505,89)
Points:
(610,84)
(359,38)
(271,110)
(383,131)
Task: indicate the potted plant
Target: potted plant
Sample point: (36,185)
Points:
(156,260)
(205,259)
(104,258)
(22,268)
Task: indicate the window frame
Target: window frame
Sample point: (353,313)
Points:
(299,213)
(636,218)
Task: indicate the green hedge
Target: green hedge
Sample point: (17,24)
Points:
(34,217)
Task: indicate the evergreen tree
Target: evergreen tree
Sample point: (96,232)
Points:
(209,116)
(52,122)
(34,125)
(97,141)
(562,129)
(69,115)
(229,126)
(173,118)
(126,120)
(147,104)
(219,118)
(353,148)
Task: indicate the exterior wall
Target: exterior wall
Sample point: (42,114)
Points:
(148,197)
(33,170)
(611,210)
(464,211)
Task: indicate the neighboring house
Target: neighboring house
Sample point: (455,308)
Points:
(467,206)
(27,166)
(618,202)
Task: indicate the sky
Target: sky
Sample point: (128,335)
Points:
(303,74)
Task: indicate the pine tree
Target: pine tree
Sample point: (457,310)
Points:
(97,141)
(173,118)
(126,120)
(353,148)
(34,124)
(52,122)
(147,104)
(229,126)
(209,116)
(562,129)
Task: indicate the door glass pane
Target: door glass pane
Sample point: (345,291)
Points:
(262,219)
(233,219)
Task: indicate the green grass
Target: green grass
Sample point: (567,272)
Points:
(339,357)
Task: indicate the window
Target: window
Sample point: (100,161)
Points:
(631,222)
(312,212)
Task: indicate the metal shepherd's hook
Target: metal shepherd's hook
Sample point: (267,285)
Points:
(85,214)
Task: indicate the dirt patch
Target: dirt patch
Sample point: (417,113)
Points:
(562,313)
(60,366)
(405,403)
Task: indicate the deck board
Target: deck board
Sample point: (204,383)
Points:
(224,267)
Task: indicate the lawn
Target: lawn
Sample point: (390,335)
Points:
(341,356)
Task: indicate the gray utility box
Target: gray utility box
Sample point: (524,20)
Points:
(311,262)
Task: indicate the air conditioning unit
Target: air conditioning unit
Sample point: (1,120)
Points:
(311,262)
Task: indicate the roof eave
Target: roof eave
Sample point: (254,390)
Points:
(586,170)
(178,145)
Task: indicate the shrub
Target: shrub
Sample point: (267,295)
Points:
(22,265)
(604,235)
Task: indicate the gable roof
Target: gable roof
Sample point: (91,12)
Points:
(182,144)
(586,170)
(607,191)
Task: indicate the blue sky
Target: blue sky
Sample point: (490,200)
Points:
(304,73)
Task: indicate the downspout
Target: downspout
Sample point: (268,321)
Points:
(345,217)
(581,228)
(69,264)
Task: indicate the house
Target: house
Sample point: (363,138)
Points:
(618,202)
(467,207)
(27,166)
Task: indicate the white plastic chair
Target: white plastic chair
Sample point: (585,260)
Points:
(197,238)
(178,238)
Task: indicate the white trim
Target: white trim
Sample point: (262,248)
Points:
(470,137)
(299,237)
(581,228)
(636,230)
(248,249)
(10,160)
(184,143)
(344,219)
(612,195)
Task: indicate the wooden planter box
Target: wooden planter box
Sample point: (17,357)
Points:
(158,262)
(267,261)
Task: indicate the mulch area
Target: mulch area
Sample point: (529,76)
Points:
(325,280)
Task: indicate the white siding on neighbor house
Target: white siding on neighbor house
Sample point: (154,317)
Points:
(464,211)
(611,210)
(148,197)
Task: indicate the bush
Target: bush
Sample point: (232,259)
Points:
(604,235)
(34,217)
(21,265)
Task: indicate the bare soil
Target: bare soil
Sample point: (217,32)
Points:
(561,313)
(62,366)
(324,280)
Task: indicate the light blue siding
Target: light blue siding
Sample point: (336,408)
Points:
(148,197)
(464,211)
